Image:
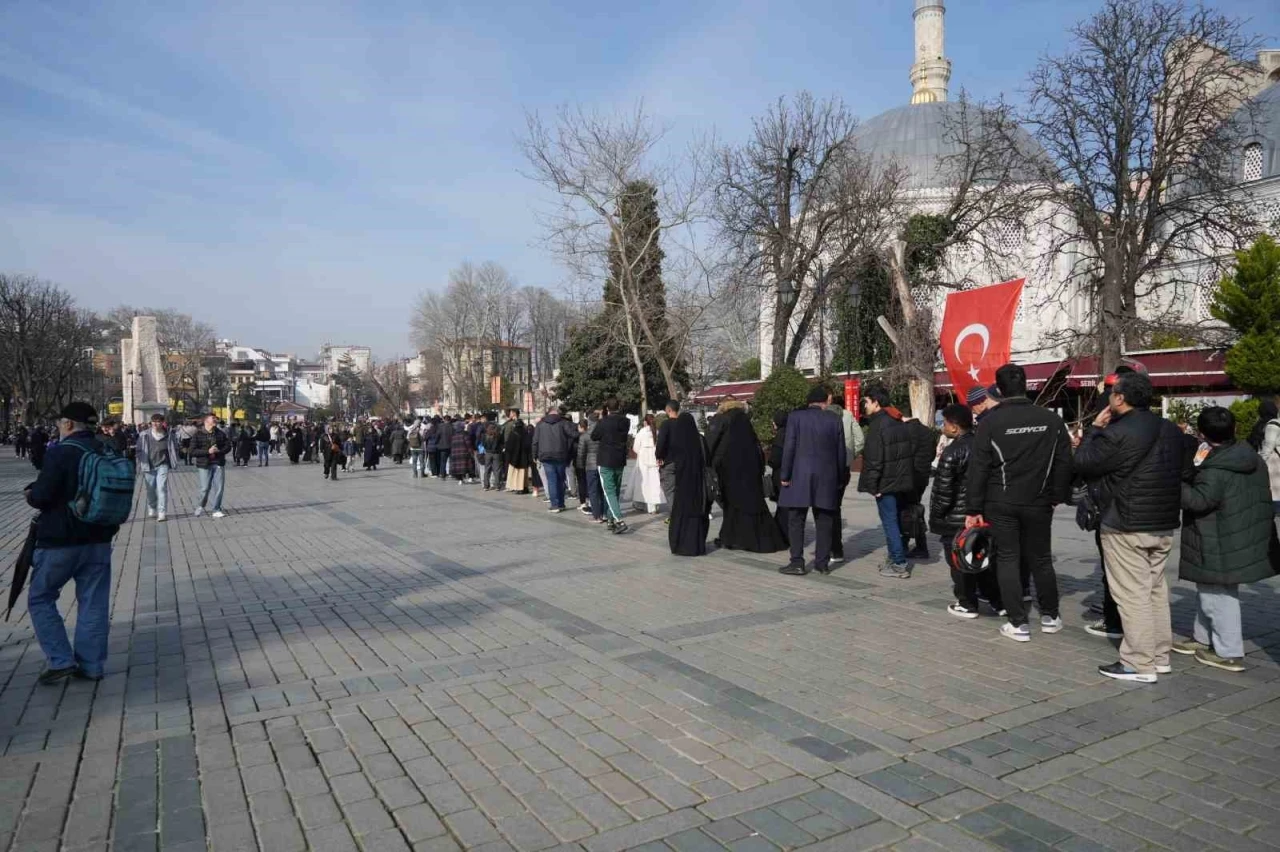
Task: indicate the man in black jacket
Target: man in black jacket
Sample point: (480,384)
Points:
(611,459)
(947,504)
(1020,468)
(923,450)
(888,474)
(69,549)
(209,447)
(1136,457)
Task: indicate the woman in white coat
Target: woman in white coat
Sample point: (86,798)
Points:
(646,483)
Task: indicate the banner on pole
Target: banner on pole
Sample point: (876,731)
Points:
(853,397)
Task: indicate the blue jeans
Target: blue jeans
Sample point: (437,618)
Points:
(157,482)
(211,482)
(51,569)
(887,506)
(595,497)
(415,461)
(264,449)
(553,476)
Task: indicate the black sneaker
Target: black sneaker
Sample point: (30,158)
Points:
(794,569)
(81,674)
(51,677)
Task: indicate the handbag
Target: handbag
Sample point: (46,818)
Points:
(766,485)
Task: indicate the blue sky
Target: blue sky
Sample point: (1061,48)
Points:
(299,172)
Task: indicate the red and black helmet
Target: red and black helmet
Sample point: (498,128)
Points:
(972,551)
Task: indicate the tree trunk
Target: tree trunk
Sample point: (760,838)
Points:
(918,360)
(1110,314)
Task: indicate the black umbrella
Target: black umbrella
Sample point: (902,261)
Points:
(22,567)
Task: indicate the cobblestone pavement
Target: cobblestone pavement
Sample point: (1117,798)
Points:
(384,664)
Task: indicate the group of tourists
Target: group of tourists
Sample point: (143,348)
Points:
(1000,467)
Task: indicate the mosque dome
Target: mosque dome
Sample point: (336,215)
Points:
(920,138)
(1260,157)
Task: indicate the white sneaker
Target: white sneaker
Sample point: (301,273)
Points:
(1017,634)
(198,512)
(961,611)
(160,518)
(1050,625)
(151,513)
(1164,669)
(219,514)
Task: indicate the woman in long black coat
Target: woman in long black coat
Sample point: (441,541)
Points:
(293,444)
(687,533)
(739,466)
(372,448)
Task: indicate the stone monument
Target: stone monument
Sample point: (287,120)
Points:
(145,389)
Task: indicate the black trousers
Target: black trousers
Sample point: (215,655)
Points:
(837,526)
(331,466)
(968,586)
(916,528)
(822,519)
(1023,537)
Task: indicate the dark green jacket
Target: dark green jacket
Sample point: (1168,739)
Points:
(1227,527)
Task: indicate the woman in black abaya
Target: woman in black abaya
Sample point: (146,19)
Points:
(739,466)
(687,534)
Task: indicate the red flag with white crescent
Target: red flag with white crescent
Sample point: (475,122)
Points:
(977,333)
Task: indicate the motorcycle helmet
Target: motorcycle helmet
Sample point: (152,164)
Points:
(972,550)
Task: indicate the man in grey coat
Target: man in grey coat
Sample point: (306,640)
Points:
(157,454)
(815,471)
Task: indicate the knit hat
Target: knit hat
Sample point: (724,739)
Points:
(976,395)
(80,412)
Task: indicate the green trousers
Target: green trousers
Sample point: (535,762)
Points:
(611,485)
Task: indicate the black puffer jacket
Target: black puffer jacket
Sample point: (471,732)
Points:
(1137,462)
(947,500)
(923,448)
(887,461)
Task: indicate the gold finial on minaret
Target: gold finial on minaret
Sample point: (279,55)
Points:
(931,71)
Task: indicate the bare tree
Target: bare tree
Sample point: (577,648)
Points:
(797,205)
(546,320)
(955,236)
(606,173)
(1142,126)
(45,343)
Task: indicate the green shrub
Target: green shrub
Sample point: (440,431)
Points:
(1246,413)
(784,390)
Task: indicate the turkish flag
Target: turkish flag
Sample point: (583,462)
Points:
(977,333)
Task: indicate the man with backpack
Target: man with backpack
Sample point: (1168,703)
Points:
(414,439)
(84,493)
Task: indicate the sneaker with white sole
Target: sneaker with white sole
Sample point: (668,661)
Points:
(1017,634)
(1050,625)
(151,513)
(1119,671)
(959,610)
(219,514)
(198,512)
(160,518)
(1099,628)
(1189,647)
(1164,670)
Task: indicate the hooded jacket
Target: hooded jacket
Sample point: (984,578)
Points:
(554,439)
(1228,518)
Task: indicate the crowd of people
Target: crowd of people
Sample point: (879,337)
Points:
(1000,467)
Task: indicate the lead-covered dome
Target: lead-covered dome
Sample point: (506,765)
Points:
(921,138)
